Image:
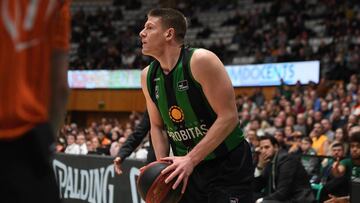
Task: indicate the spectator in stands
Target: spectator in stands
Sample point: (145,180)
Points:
(264,119)
(350,168)
(255,126)
(290,120)
(258,97)
(356,108)
(341,137)
(253,140)
(309,124)
(115,146)
(324,109)
(353,129)
(320,141)
(316,100)
(72,147)
(115,135)
(128,131)
(337,186)
(327,129)
(337,120)
(90,147)
(107,131)
(298,107)
(288,131)
(353,119)
(311,164)
(81,141)
(276,171)
(98,148)
(280,137)
(294,143)
(318,116)
(353,84)
(104,141)
(278,125)
(300,124)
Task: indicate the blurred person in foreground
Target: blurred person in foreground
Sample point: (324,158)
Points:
(198,114)
(33,90)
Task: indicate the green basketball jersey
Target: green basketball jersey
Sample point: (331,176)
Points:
(185,111)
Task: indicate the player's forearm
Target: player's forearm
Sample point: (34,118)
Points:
(59,89)
(217,133)
(135,139)
(160,143)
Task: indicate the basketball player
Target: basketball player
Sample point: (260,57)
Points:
(190,95)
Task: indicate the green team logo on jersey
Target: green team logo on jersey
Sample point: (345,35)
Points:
(183,85)
(176,114)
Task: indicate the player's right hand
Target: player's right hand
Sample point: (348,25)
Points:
(117,165)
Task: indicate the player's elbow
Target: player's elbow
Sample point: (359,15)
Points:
(231,120)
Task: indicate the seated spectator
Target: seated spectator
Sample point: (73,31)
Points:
(289,139)
(350,168)
(72,147)
(311,164)
(115,146)
(281,176)
(337,186)
(294,143)
(300,124)
(80,140)
(97,148)
(337,120)
(104,141)
(89,146)
(280,137)
(327,129)
(253,140)
(341,137)
(320,141)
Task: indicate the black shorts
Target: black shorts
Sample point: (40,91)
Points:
(25,172)
(225,179)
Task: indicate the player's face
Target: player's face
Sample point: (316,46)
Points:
(152,36)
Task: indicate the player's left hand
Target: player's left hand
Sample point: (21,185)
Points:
(181,167)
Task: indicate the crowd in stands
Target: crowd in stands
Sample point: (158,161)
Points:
(100,138)
(313,120)
(105,36)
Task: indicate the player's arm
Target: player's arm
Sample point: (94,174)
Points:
(132,142)
(59,90)
(209,71)
(135,139)
(158,138)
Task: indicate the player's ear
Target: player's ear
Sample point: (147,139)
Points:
(170,33)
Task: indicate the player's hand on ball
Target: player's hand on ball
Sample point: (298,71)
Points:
(181,167)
